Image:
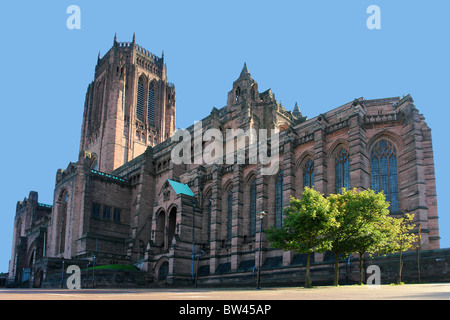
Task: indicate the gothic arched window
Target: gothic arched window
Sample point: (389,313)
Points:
(253,208)
(63,221)
(279,200)
(308,174)
(209,213)
(140,100)
(384,172)
(230,215)
(238,93)
(342,171)
(151,103)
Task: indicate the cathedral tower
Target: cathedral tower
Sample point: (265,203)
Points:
(129,106)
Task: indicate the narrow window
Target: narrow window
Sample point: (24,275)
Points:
(342,171)
(230,215)
(140,100)
(279,200)
(308,174)
(384,172)
(253,208)
(209,213)
(151,103)
(95,210)
(116,216)
(238,93)
(63,222)
(106,213)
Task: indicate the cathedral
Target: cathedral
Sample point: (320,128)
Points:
(127,202)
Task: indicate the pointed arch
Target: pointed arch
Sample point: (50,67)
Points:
(384,171)
(140,98)
(63,204)
(342,170)
(304,173)
(206,217)
(279,199)
(151,103)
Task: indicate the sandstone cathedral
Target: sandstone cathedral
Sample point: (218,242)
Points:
(125,201)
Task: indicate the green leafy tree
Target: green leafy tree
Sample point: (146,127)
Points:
(399,238)
(357,216)
(370,231)
(303,227)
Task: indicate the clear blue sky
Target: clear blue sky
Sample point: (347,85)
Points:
(317,53)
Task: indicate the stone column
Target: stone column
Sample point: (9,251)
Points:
(216,211)
(320,161)
(359,160)
(238,207)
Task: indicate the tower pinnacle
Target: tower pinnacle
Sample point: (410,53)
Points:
(245,71)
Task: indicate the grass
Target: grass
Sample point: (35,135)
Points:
(115,267)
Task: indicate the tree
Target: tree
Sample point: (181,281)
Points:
(398,238)
(374,212)
(355,224)
(303,227)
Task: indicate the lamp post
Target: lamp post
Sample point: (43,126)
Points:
(261,215)
(62,273)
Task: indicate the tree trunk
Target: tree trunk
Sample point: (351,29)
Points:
(308,271)
(336,269)
(361,272)
(399,278)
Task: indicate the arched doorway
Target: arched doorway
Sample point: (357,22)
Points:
(163,271)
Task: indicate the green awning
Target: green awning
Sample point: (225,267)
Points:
(181,188)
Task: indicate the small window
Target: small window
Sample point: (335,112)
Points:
(95,210)
(238,93)
(116,215)
(107,213)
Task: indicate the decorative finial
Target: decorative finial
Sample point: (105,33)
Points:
(297,113)
(245,71)
(134,37)
(115,38)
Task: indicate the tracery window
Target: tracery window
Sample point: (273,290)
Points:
(151,103)
(140,100)
(308,174)
(279,200)
(342,171)
(384,172)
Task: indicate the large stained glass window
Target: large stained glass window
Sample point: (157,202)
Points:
(308,174)
(342,171)
(279,200)
(384,172)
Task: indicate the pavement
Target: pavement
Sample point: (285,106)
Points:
(435,291)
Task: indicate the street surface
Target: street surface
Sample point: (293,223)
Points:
(436,291)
